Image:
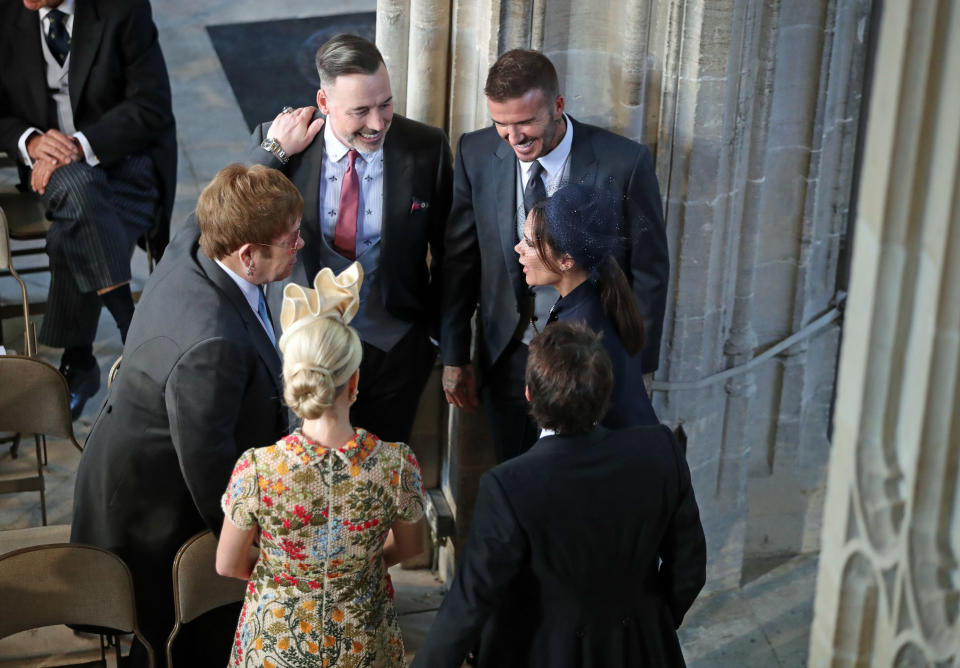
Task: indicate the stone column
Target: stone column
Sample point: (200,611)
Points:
(888,591)
(428,61)
(393,39)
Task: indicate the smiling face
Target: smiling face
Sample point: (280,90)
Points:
(534,269)
(359,108)
(531,124)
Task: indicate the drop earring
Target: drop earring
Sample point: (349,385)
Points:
(250,269)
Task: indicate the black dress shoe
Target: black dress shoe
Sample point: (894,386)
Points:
(83,383)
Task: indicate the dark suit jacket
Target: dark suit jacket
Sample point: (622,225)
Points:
(629,404)
(481,265)
(564,550)
(119,90)
(199,384)
(416,167)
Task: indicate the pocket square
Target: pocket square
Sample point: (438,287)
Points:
(417,205)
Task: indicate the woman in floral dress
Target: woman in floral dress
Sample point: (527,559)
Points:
(333,506)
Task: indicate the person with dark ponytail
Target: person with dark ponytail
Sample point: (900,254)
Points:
(570,241)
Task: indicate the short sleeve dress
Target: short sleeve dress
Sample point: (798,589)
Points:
(320,594)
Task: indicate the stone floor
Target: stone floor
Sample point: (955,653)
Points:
(765,623)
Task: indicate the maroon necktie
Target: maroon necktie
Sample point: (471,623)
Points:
(345,237)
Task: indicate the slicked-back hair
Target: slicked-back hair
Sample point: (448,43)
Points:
(244,205)
(569,378)
(519,71)
(347,54)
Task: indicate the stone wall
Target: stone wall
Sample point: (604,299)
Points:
(888,591)
(751,108)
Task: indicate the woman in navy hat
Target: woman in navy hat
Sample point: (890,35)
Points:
(570,242)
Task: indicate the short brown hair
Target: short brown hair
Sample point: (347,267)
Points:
(245,205)
(347,54)
(569,378)
(519,71)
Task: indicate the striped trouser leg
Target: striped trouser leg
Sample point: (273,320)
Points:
(96,215)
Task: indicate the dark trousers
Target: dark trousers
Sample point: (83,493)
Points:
(205,641)
(97,214)
(502,387)
(391,383)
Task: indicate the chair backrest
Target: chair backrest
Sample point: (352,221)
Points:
(67,584)
(6,262)
(197,587)
(34,398)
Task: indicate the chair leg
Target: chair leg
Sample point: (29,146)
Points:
(43,493)
(45,460)
(15,447)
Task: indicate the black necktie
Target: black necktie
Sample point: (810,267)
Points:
(58,39)
(535,192)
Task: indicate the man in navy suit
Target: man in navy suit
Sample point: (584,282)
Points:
(85,107)
(376,189)
(587,550)
(500,173)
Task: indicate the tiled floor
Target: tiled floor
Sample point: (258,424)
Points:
(766,623)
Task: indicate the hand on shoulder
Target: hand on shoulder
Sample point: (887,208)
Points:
(294,129)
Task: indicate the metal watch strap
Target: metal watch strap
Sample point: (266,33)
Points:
(273,146)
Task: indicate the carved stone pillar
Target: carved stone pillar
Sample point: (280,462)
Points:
(888,591)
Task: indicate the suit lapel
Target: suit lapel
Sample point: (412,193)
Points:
(268,353)
(307,181)
(26,43)
(88,25)
(505,187)
(397,191)
(583,159)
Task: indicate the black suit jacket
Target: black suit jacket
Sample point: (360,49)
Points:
(416,168)
(480,263)
(198,385)
(564,557)
(119,90)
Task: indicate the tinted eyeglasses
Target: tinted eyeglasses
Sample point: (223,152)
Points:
(291,245)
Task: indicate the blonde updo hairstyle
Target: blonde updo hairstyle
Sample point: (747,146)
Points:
(319,356)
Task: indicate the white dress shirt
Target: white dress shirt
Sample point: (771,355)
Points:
(369,168)
(57,79)
(553,163)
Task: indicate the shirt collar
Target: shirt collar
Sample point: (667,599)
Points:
(336,149)
(250,291)
(553,161)
(66,7)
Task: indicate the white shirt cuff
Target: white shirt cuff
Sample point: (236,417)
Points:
(88,153)
(22,146)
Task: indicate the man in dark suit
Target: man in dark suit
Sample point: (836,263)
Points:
(500,173)
(85,106)
(198,385)
(587,550)
(377,189)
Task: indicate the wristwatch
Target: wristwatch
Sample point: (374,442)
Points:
(272,145)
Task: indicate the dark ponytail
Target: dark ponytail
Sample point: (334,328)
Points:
(620,306)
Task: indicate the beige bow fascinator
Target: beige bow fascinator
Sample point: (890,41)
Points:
(333,296)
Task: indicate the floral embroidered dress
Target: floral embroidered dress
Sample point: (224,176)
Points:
(320,594)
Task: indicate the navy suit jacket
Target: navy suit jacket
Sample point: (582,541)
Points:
(119,90)
(585,551)
(629,404)
(480,265)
